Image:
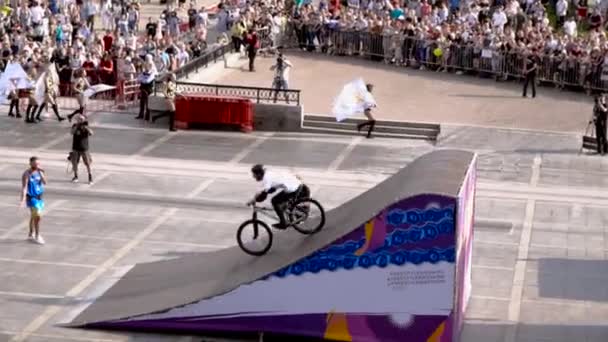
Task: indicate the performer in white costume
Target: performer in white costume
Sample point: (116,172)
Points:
(47,91)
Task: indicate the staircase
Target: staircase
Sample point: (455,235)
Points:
(383,129)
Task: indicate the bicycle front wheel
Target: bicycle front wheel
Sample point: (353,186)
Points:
(254,237)
(307,216)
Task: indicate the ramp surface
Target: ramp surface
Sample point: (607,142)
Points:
(160,286)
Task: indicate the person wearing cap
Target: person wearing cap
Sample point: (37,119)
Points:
(288,186)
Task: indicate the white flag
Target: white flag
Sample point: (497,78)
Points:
(353,99)
(98,88)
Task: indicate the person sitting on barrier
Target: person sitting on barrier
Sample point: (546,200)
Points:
(288,185)
(170,88)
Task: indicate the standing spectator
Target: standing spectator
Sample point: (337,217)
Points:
(530,67)
(32,189)
(151,28)
(561,10)
(108,41)
(600,113)
(192,17)
(570,28)
(595,19)
(106,69)
(253,44)
(146,86)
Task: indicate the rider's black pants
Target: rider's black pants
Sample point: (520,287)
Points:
(279,200)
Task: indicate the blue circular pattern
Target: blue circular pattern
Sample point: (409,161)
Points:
(369,260)
(397,217)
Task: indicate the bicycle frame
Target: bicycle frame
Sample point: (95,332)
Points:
(264,211)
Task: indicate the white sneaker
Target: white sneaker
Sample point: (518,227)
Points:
(39,240)
(30,238)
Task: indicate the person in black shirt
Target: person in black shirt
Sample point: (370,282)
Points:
(80,147)
(530,67)
(151,28)
(192,14)
(600,114)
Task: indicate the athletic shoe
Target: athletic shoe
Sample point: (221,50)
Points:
(30,238)
(279,226)
(90,180)
(39,240)
(75,180)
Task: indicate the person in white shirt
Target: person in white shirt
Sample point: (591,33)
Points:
(561,9)
(570,27)
(288,185)
(499,19)
(281,76)
(37,14)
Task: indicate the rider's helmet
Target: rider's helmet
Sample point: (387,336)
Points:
(258,171)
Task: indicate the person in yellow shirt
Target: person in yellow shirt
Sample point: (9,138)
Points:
(238,31)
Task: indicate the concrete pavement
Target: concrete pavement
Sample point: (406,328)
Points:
(540,247)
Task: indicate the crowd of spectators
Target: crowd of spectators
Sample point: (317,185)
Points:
(568,37)
(108,39)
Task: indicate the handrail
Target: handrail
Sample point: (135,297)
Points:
(258,94)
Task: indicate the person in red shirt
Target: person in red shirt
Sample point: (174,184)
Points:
(108,40)
(253,44)
(89,67)
(106,69)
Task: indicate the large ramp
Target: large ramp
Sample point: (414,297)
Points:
(384,267)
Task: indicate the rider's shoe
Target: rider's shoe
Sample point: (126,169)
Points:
(279,226)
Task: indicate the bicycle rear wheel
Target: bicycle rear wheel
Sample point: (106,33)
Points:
(307,216)
(254,237)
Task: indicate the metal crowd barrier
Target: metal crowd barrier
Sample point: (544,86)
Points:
(563,72)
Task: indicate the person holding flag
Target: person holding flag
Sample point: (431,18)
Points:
(356,97)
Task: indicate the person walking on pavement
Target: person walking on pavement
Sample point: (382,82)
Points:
(253,44)
(530,68)
(600,114)
(32,189)
(13,96)
(50,94)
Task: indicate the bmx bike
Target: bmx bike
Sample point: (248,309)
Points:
(305,215)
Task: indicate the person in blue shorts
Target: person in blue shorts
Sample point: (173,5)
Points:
(33,181)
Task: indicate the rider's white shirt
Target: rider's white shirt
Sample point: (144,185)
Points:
(281,181)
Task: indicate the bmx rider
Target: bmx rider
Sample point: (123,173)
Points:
(288,185)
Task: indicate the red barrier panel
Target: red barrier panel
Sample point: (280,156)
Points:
(194,108)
